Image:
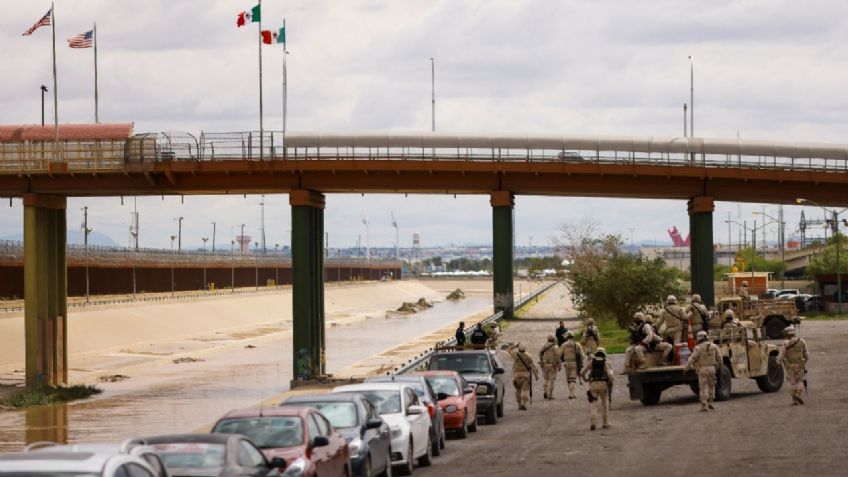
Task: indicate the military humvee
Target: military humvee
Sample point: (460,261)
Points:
(773,316)
(745,354)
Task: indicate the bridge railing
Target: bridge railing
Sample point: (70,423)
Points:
(112,156)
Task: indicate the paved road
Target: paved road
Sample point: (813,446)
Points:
(752,434)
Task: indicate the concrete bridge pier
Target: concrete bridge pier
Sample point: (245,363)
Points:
(45,290)
(701,247)
(307,209)
(503,205)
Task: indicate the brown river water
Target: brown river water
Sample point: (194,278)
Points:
(186,397)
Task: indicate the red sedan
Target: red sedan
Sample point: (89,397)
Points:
(457,400)
(300,435)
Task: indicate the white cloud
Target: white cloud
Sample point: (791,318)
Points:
(769,69)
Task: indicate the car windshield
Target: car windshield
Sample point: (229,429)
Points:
(384,401)
(444,384)
(464,364)
(266,432)
(194,455)
(341,414)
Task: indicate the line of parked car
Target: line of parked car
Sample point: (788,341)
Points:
(804,302)
(380,427)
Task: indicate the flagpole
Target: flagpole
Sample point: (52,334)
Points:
(55,89)
(96,107)
(285,82)
(261,115)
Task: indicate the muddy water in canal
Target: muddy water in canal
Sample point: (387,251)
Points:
(179,398)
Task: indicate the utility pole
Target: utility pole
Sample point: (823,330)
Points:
(179,233)
(43,90)
(85,231)
(433,92)
(685,129)
(691,98)
(262,205)
(729,245)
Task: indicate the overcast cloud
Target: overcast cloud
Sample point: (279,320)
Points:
(764,70)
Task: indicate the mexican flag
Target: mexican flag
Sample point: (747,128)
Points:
(252,16)
(269,37)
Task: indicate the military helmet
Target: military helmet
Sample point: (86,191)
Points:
(702,336)
(522,347)
(649,319)
(590,321)
(696,298)
(744,283)
(639,316)
(789,331)
(551,338)
(601,352)
(671,300)
(729,315)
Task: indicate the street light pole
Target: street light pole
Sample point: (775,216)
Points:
(204,261)
(433,92)
(180,234)
(213,236)
(835,218)
(43,90)
(781,224)
(85,231)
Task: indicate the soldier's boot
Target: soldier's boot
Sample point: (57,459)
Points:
(703,407)
(800,399)
(710,406)
(592,427)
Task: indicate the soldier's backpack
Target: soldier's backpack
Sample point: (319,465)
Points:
(599,370)
(637,333)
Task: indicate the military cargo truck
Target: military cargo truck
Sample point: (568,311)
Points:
(772,316)
(745,354)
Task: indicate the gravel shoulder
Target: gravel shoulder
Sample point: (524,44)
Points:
(752,434)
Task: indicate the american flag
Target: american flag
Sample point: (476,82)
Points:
(45,20)
(83,40)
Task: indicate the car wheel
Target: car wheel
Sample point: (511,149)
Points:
(473,426)
(773,380)
(695,388)
(406,469)
(774,328)
(500,407)
(462,433)
(366,466)
(426,460)
(492,415)
(723,386)
(442,441)
(434,444)
(387,471)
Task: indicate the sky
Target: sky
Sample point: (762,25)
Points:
(771,70)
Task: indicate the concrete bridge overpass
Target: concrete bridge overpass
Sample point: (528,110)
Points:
(103,160)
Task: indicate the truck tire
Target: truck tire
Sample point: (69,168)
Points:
(650,394)
(492,415)
(696,389)
(772,381)
(723,384)
(774,328)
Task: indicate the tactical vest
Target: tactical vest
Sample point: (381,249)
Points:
(707,357)
(522,364)
(599,370)
(569,350)
(795,351)
(549,354)
(637,334)
(592,332)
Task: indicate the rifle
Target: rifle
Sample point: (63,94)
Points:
(590,396)
(579,356)
(807,391)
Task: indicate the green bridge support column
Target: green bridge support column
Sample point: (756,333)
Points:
(702,257)
(502,251)
(307,208)
(45,290)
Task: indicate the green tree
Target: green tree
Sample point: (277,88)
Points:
(825,261)
(608,284)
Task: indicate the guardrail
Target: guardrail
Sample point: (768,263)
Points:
(419,360)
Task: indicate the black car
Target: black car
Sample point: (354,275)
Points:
(481,368)
(222,455)
(425,393)
(368,437)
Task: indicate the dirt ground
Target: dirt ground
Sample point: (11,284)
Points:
(752,434)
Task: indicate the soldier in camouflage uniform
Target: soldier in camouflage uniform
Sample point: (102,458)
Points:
(591,337)
(705,358)
(572,358)
(551,362)
(674,317)
(730,320)
(522,370)
(598,373)
(793,356)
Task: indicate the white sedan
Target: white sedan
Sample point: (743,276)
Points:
(407,418)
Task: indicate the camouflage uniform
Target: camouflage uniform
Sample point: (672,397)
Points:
(599,386)
(730,320)
(705,358)
(634,356)
(674,317)
(793,356)
(743,292)
(591,337)
(521,368)
(571,353)
(700,314)
(551,362)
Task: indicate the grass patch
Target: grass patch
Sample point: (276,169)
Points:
(48,395)
(822,316)
(613,338)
